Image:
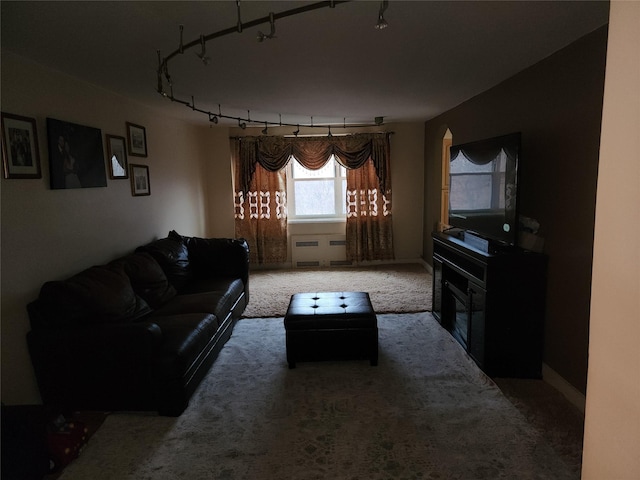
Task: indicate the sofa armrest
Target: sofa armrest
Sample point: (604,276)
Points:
(219,257)
(96,367)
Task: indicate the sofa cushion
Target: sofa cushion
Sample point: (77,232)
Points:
(213,256)
(219,300)
(147,278)
(96,295)
(172,255)
(184,337)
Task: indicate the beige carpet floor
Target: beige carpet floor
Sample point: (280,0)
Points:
(426,412)
(398,288)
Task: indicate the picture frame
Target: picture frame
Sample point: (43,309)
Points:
(76,155)
(140,184)
(137,140)
(20,152)
(117,157)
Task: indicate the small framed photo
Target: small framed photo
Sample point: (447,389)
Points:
(20,154)
(117,157)
(140,180)
(137,138)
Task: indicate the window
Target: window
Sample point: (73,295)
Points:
(477,187)
(317,194)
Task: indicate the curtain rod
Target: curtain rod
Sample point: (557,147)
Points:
(316,135)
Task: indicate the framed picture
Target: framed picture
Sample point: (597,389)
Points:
(140,180)
(117,157)
(137,138)
(20,155)
(76,155)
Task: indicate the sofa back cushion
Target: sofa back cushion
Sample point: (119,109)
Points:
(220,257)
(96,295)
(147,278)
(173,257)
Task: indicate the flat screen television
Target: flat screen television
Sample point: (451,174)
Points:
(483,188)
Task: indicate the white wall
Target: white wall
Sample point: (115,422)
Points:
(612,423)
(51,234)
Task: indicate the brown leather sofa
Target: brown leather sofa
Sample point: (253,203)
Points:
(141,332)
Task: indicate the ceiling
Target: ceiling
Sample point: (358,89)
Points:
(327,66)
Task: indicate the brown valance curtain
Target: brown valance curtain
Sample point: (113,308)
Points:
(259,166)
(351,151)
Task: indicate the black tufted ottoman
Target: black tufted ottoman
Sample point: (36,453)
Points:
(331,326)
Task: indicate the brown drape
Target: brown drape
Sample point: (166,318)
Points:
(261,213)
(366,158)
(351,151)
(369,223)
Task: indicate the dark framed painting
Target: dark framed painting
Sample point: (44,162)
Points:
(137,138)
(76,156)
(117,157)
(20,154)
(140,184)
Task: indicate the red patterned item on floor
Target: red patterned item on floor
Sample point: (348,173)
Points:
(65,440)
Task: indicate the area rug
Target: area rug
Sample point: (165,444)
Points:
(426,412)
(397,288)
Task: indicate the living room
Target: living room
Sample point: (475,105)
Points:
(51,234)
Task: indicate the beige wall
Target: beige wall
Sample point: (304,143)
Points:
(612,426)
(557,106)
(219,185)
(50,234)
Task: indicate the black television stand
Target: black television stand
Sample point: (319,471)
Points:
(492,303)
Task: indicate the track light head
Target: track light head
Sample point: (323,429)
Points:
(382,23)
(213,118)
(262,36)
(203,54)
(265,130)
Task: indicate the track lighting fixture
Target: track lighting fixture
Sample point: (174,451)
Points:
(382,23)
(163,62)
(262,37)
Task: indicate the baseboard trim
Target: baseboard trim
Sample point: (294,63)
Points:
(427,267)
(288,265)
(571,393)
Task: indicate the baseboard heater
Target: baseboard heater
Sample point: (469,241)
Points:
(309,251)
